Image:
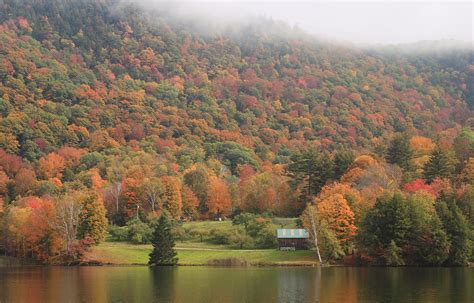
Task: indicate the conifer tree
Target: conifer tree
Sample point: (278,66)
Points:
(310,169)
(457,229)
(400,152)
(163,244)
(342,160)
(440,165)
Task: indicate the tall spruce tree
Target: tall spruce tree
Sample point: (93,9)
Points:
(440,164)
(400,152)
(163,253)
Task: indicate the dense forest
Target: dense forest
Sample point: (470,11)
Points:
(110,113)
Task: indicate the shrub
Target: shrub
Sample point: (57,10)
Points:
(256,225)
(179,233)
(266,237)
(200,233)
(118,233)
(139,232)
(218,236)
(239,238)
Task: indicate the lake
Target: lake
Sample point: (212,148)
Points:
(253,284)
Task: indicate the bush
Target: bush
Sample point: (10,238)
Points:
(199,233)
(179,233)
(239,239)
(118,233)
(218,236)
(139,232)
(256,225)
(266,237)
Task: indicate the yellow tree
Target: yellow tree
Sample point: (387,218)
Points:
(335,211)
(350,194)
(171,196)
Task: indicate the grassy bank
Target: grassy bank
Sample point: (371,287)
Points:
(199,250)
(192,253)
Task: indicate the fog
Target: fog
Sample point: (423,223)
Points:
(374,22)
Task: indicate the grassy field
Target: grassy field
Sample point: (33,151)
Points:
(195,253)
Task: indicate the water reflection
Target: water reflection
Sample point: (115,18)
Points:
(204,284)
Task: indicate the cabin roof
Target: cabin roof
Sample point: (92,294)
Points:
(292,233)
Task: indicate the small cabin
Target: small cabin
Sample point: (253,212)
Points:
(292,239)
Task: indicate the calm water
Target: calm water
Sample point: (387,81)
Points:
(206,284)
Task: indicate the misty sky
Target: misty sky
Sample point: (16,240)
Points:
(385,22)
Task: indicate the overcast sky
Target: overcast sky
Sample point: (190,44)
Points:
(385,22)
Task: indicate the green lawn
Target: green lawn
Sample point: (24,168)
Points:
(192,253)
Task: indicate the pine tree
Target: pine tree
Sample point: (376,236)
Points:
(163,244)
(457,229)
(440,165)
(311,170)
(342,160)
(400,152)
(435,246)
(92,220)
(389,220)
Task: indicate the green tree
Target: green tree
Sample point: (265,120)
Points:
(457,229)
(342,160)
(440,165)
(330,245)
(434,246)
(198,180)
(389,220)
(231,154)
(393,255)
(400,152)
(310,170)
(92,220)
(163,244)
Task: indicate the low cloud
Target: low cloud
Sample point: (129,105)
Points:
(372,22)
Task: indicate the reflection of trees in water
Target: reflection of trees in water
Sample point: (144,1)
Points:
(402,284)
(299,284)
(223,285)
(163,284)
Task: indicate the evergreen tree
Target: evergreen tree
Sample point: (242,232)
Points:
(434,247)
(457,229)
(163,244)
(393,255)
(400,152)
(440,164)
(342,160)
(311,170)
(388,221)
(92,220)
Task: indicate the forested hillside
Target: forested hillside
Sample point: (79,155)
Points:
(110,111)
